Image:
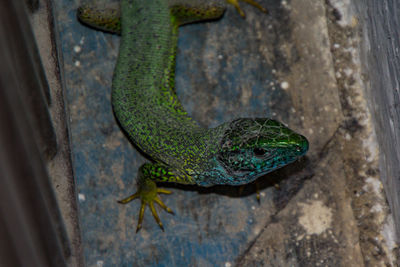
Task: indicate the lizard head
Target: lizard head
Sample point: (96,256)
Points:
(251,148)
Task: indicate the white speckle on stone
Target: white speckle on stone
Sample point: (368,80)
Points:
(373,184)
(77,63)
(220,57)
(372,147)
(228,264)
(253,207)
(81,197)
(100,263)
(348,72)
(284,85)
(310,131)
(389,234)
(336,46)
(77,49)
(300,237)
(377,208)
(256,230)
(347,137)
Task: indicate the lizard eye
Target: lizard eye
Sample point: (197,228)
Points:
(258,151)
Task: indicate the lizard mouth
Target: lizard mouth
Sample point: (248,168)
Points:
(249,168)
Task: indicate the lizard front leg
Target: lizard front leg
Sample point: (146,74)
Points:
(148,192)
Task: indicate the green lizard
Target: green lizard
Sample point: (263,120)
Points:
(145,103)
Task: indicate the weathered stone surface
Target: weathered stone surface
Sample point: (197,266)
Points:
(299,65)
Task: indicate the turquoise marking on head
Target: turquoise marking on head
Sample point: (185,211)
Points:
(251,148)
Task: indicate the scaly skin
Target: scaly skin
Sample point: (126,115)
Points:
(145,103)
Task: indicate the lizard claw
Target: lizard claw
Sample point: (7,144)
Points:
(148,196)
(257,185)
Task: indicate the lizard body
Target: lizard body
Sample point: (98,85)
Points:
(146,105)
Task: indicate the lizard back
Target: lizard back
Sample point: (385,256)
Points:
(143,96)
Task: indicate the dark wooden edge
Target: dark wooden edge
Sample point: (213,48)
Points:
(31,227)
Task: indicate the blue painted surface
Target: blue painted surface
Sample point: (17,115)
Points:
(221,75)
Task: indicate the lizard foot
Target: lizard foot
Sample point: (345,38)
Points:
(235,3)
(148,194)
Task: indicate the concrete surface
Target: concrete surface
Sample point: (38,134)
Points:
(60,166)
(302,65)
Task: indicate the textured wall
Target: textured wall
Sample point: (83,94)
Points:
(381,62)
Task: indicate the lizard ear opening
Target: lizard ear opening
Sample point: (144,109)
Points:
(259,151)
